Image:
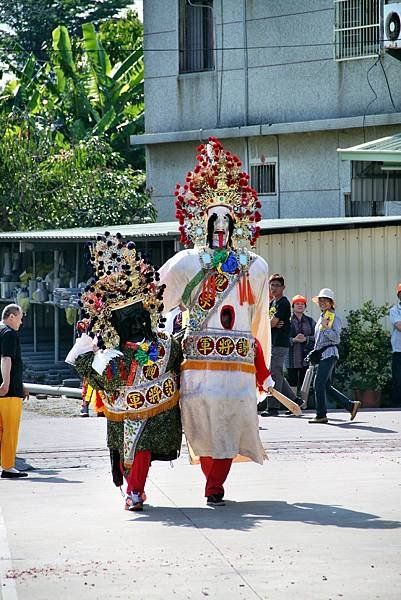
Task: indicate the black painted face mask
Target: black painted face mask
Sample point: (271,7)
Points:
(132,323)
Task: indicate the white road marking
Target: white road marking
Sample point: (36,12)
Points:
(8,589)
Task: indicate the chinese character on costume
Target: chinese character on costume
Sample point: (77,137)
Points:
(132,367)
(225,288)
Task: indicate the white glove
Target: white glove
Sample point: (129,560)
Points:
(268,383)
(102,359)
(82,345)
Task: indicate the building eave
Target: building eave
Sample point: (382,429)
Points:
(386,150)
(267,129)
(138,232)
(169,230)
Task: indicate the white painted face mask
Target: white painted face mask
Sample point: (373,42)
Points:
(221,226)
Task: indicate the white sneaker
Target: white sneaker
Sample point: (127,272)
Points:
(134,501)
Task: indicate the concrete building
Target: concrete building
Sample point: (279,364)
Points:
(283,85)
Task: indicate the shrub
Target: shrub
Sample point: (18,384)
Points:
(365,349)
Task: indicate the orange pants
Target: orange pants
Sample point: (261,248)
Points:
(10,416)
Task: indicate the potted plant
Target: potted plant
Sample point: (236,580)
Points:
(366,353)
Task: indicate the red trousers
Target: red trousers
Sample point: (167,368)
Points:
(136,478)
(216,471)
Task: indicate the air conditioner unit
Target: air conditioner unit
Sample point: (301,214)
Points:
(392,25)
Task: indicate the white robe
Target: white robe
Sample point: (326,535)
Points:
(218,407)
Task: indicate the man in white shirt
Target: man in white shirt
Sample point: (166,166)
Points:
(395,318)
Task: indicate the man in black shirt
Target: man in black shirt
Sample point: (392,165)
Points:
(280,315)
(12,390)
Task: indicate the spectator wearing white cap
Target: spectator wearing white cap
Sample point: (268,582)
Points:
(327,338)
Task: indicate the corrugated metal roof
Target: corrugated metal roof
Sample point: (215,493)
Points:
(387,149)
(325,223)
(170,229)
(138,231)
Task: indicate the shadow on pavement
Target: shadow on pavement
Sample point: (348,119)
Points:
(361,427)
(37,475)
(33,478)
(243,516)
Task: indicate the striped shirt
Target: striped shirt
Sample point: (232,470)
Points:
(325,337)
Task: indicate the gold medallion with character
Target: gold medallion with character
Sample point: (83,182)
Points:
(225,346)
(205,345)
(242,347)
(169,388)
(151,371)
(206,301)
(221,282)
(154,394)
(135,400)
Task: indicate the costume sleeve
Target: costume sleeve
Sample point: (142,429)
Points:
(262,372)
(176,273)
(83,366)
(259,276)
(9,344)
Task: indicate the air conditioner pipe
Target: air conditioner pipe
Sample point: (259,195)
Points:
(53,390)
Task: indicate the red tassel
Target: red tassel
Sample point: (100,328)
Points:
(240,289)
(109,373)
(132,372)
(123,370)
(251,299)
(98,402)
(213,287)
(204,288)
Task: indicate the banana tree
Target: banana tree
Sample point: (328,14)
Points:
(110,98)
(79,94)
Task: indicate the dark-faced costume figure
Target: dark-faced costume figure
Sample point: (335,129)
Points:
(225,288)
(132,367)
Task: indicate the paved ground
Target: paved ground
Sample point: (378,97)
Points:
(320,520)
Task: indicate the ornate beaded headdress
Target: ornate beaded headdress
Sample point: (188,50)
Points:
(121,278)
(217,181)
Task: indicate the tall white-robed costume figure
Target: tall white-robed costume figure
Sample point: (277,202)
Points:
(225,288)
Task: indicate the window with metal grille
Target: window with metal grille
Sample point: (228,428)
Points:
(263,178)
(356,28)
(196,36)
(371,186)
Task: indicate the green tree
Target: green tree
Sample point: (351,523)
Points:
(30,23)
(80,97)
(43,186)
(120,36)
